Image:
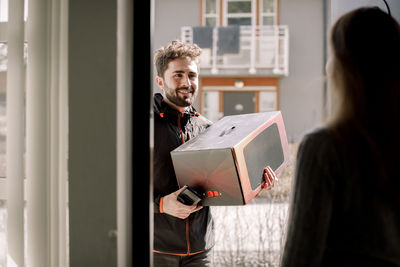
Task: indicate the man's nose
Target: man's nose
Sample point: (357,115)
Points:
(186,81)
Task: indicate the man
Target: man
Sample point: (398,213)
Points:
(183,235)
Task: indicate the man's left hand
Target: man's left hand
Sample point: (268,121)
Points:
(269,178)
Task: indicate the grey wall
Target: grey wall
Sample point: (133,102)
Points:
(170,16)
(339,7)
(92,127)
(301,93)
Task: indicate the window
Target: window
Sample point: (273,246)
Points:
(3,104)
(3,125)
(239,12)
(211,12)
(3,80)
(4,76)
(3,10)
(268,101)
(238,102)
(210,105)
(268,12)
(3,213)
(219,101)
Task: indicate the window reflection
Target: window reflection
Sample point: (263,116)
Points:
(3,104)
(3,123)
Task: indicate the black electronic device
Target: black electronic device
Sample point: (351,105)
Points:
(189,197)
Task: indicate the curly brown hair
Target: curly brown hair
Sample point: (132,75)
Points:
(176,49)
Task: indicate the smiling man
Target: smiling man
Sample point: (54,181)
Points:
(179,83)
(183,235)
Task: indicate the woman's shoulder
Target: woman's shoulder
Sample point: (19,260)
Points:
(319,134)
(320,150)
(319,140)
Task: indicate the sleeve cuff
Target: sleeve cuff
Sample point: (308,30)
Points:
(161,204)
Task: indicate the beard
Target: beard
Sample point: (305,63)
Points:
(182,96)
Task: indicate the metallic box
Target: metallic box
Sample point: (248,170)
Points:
(225,164)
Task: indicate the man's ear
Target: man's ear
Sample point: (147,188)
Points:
(160,82)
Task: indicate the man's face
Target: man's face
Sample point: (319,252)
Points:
(180,82)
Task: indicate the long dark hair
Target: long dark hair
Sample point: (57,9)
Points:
(366,75)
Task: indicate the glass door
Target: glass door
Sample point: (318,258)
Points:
(238,103)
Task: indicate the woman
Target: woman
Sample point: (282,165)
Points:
(346,201)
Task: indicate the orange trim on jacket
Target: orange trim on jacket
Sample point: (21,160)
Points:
(161,205)
(177,254)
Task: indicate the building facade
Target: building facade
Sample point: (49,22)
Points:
(258,55)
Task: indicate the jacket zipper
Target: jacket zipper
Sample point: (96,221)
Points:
(187,236)
(180,127)
(187,219)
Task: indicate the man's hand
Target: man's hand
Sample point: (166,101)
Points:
(173,207)
(269,178)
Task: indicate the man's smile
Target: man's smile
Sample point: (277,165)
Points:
(185,91)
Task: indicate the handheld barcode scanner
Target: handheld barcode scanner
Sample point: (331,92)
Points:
(189,197)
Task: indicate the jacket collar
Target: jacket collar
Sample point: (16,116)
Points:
(164,110)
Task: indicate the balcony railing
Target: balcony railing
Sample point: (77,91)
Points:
(260,50)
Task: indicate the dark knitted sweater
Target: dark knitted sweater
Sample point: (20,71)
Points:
(337,216)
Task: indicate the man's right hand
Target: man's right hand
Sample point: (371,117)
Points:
(173,207)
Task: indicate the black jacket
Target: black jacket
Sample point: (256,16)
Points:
(173,235)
